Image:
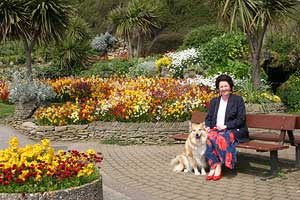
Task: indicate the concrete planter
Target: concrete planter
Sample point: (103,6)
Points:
(89,191)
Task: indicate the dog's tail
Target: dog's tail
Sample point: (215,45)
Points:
(177,163)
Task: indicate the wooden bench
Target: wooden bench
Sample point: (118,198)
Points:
(293,140)
(285,124)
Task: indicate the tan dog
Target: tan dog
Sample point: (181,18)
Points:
(193,156)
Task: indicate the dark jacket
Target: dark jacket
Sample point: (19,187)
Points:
(235,116)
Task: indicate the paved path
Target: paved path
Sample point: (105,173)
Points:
(143,173)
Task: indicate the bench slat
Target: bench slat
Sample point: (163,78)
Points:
(275,122)
(273,137)
(261,146)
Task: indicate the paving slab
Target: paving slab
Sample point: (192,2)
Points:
(142,172)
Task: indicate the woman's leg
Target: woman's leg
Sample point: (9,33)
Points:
(211,153)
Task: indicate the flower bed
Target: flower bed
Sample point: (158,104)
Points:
(37,169)
(130,100)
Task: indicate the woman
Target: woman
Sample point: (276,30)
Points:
(226,126)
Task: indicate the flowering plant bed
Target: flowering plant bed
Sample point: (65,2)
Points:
(38,168)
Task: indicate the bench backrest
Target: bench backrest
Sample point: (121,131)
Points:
(266,121)
(297,126)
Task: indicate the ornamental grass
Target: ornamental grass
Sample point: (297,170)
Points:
(37,168)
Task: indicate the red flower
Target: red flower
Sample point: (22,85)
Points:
(221,142)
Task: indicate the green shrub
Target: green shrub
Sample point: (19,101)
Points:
(238,68)
(74,50)
(199,36)
(228,46)
(144,67)
(55,71)
(289,92)
(108,68)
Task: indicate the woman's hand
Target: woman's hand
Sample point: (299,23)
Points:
(220,128)
(207,129)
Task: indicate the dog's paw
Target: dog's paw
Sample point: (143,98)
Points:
(186,171)
(197,173)
(203,172)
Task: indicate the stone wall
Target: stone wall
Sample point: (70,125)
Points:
(133,133)
(90,191)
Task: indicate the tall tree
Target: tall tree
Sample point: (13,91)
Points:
(33,22)
(254,16)
(137,20)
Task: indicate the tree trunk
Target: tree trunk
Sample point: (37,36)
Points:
(129,43)
(139,46)
(256,70)
(28,46)
(256,47)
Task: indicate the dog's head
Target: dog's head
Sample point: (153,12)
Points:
(198,133)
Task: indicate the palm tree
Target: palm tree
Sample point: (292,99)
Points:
(254,16)
(136,21)
(33,22)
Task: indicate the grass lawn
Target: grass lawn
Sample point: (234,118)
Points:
(6,110)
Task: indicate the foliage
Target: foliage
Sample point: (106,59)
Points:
(238,68)
(228,46)
(37,165)
(189,14)
(25,90)
(254,95)
(144,68)
(201,35)
(33,22)
(284,50)
(136,21)
(255,16)
(54,71)
(103,42)
(109,68)
(73,51)
(12,51)
(289,92)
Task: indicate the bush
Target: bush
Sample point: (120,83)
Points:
(75,49)
(199,36)
(103,42)
(145,68)
(55,71)
(289,92)
(24,90)
(109,68)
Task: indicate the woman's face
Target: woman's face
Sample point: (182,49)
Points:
(224,88)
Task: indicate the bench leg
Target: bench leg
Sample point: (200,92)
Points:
(273,162)
(297,147)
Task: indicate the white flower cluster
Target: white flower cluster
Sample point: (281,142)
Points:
(210,80)
(182,59)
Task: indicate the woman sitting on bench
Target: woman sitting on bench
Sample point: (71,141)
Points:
(226,126)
